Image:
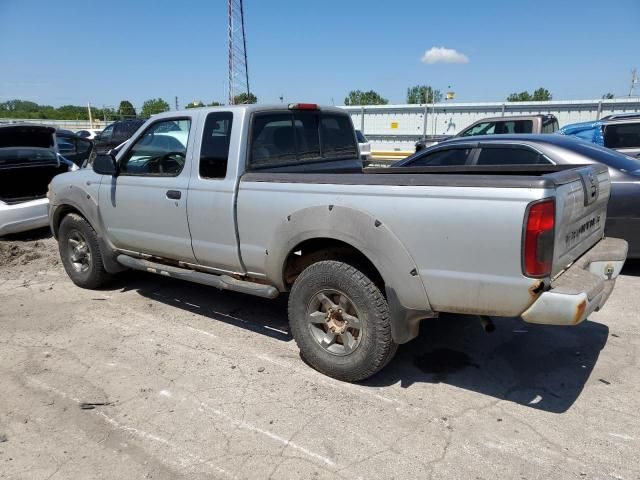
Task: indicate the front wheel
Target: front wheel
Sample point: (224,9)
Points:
(340,321)
(80,252)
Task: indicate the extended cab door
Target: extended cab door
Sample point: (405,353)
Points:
(144,208)
(211,205)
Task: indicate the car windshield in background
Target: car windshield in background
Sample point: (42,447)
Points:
(611,158)
(361,138)
(500,128)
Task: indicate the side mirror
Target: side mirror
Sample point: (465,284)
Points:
(105,164)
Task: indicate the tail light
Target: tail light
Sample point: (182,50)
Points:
(303,106)
(539,232)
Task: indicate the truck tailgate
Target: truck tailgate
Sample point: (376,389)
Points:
(581,209)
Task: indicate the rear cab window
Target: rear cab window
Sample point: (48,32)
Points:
(300,137)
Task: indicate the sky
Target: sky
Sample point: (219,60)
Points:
(79,51)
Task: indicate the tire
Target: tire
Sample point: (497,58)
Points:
(80,252)
(340,321)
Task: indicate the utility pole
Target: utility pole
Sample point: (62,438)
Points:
(177,106)
(89,110)
(634,81)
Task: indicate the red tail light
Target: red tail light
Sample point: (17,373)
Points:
(303,106)
(538,238)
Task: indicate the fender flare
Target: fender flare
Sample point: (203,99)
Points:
(76,200)
(406,294)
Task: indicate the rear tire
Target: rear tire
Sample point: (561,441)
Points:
(340,321)
(80,252)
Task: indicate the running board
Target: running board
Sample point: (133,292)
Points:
(223,282)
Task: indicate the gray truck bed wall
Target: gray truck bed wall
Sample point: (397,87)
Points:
(452,258)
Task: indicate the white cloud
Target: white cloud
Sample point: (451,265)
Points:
(444,55)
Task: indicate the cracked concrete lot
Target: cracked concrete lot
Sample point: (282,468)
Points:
(188,382)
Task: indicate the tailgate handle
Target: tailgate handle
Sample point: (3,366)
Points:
(590,186)
(174,194)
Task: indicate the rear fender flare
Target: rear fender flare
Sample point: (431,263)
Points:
(405,291)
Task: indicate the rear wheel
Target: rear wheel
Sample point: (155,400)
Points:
(80,252)
(340,321)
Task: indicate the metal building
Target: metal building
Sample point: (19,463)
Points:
(398,127)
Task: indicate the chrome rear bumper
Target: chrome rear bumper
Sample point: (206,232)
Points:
(581,289)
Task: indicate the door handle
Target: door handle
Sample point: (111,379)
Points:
(174,194)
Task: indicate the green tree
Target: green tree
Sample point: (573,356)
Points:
(194,104)
(358,97)
(519,97)
(608,96)
(217,104)
(541,95)
(245,98)
(153,106)
(126,109)
(423,94)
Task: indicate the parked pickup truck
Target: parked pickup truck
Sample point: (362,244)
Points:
(266,200)
(536,124)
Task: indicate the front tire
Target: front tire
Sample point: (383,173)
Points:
(340,321)
(80,252)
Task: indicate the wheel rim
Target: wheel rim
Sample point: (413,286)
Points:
(79,253)
(334,322)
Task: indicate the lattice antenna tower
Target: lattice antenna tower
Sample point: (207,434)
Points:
(238,68)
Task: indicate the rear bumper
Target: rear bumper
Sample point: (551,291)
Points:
(23,216)
(583,288)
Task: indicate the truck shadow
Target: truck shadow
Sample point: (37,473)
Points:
(542,367)
(259,315)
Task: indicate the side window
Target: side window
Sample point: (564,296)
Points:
(622,136)
(159,151)
(337,138)
(510,156)
(214,152)
(443,158)
(107,133)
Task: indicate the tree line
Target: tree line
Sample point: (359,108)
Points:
(418,94)
(25,109)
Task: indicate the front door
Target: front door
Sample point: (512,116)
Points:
(144,207)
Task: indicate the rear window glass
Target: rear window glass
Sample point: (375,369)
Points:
(622,136)
(293,137)
(510,156)
(611,158)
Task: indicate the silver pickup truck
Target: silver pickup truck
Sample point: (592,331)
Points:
(267,200)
